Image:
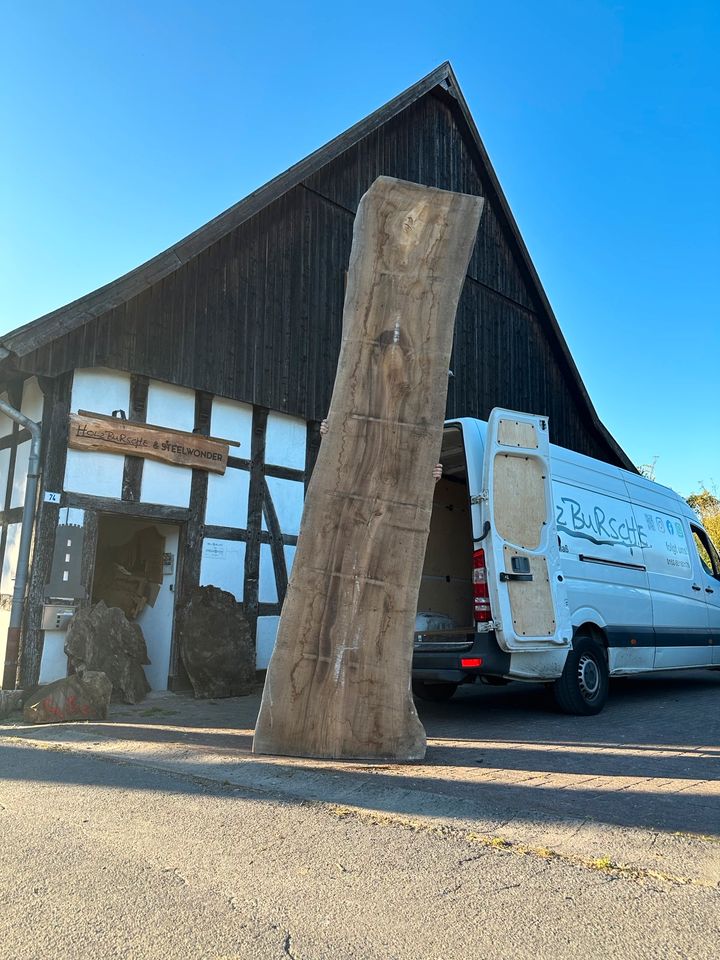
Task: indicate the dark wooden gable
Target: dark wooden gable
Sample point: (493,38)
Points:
(256,316)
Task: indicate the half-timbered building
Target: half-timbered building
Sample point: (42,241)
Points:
(233,333)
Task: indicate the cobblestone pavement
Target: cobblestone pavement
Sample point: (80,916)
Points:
(638,785)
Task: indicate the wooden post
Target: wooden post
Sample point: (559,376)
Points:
(338,684)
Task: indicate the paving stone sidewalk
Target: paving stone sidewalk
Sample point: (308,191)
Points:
(638,785)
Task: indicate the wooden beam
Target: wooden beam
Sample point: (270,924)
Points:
(254,520)
(133,468)
(56,405)
(158,512)
(338,684)
(187,575)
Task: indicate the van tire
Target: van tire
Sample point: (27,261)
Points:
(433,692)
(583,687)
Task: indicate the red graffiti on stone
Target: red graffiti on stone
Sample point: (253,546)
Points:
(71,698)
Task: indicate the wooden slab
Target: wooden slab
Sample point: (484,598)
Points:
(94,431)
(338,684)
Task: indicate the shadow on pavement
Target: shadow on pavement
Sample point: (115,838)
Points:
(650,760)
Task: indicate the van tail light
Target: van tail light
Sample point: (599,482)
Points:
(481,597)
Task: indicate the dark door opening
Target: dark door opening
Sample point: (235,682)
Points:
(135,569)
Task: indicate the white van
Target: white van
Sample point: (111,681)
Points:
(545,565)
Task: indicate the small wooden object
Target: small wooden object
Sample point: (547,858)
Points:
(338,684)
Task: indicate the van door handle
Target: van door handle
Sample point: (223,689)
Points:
(517,576)
(709,590)
(696,586)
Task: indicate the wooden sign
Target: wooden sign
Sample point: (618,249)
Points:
(98,432)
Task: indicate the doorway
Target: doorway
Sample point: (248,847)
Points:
(135,569)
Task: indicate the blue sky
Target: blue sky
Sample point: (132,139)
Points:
(126,126)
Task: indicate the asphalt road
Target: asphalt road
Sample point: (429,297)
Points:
(104,858)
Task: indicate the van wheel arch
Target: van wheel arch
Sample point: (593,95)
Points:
(582,689)
(593,631)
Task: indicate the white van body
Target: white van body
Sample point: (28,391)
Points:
(591,571)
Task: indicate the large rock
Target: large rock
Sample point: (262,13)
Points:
(216,645)
(85,697)
(102,638)
(10,702)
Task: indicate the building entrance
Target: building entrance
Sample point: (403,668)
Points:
(135,569)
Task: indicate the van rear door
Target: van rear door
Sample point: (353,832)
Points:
(527,594)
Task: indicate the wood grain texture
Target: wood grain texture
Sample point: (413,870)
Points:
(338,684)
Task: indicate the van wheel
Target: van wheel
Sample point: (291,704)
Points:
(434,692)
(583,687)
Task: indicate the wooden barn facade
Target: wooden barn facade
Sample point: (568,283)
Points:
(234,333)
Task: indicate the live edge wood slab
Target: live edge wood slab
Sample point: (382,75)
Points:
(338,684)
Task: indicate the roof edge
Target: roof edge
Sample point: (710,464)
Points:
(533,274)
(65,319)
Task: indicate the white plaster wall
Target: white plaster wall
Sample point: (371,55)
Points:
(288,497)
(100,391)
(222,565)
(71,516)
(227,495)
(285,441)
(53,665)
(32,400)
(172,407)
(4,470)
(267,589)
(7,581)
(227,499)
(231,420)
(267,628)
(156,622)
(22,459)
(267,593)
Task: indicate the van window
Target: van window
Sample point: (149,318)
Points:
(706,551)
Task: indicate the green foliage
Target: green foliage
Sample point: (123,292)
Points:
(707,507)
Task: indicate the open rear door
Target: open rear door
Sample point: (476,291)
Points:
(527,593)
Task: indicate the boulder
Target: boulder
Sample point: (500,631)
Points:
(102,638)
(85,697)
(216,644)
(10,702)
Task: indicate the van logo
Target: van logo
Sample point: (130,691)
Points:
(597,527)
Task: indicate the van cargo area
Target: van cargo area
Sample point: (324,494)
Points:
(445,632)
(445,612)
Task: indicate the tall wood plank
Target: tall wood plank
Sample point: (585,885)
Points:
(338,684)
